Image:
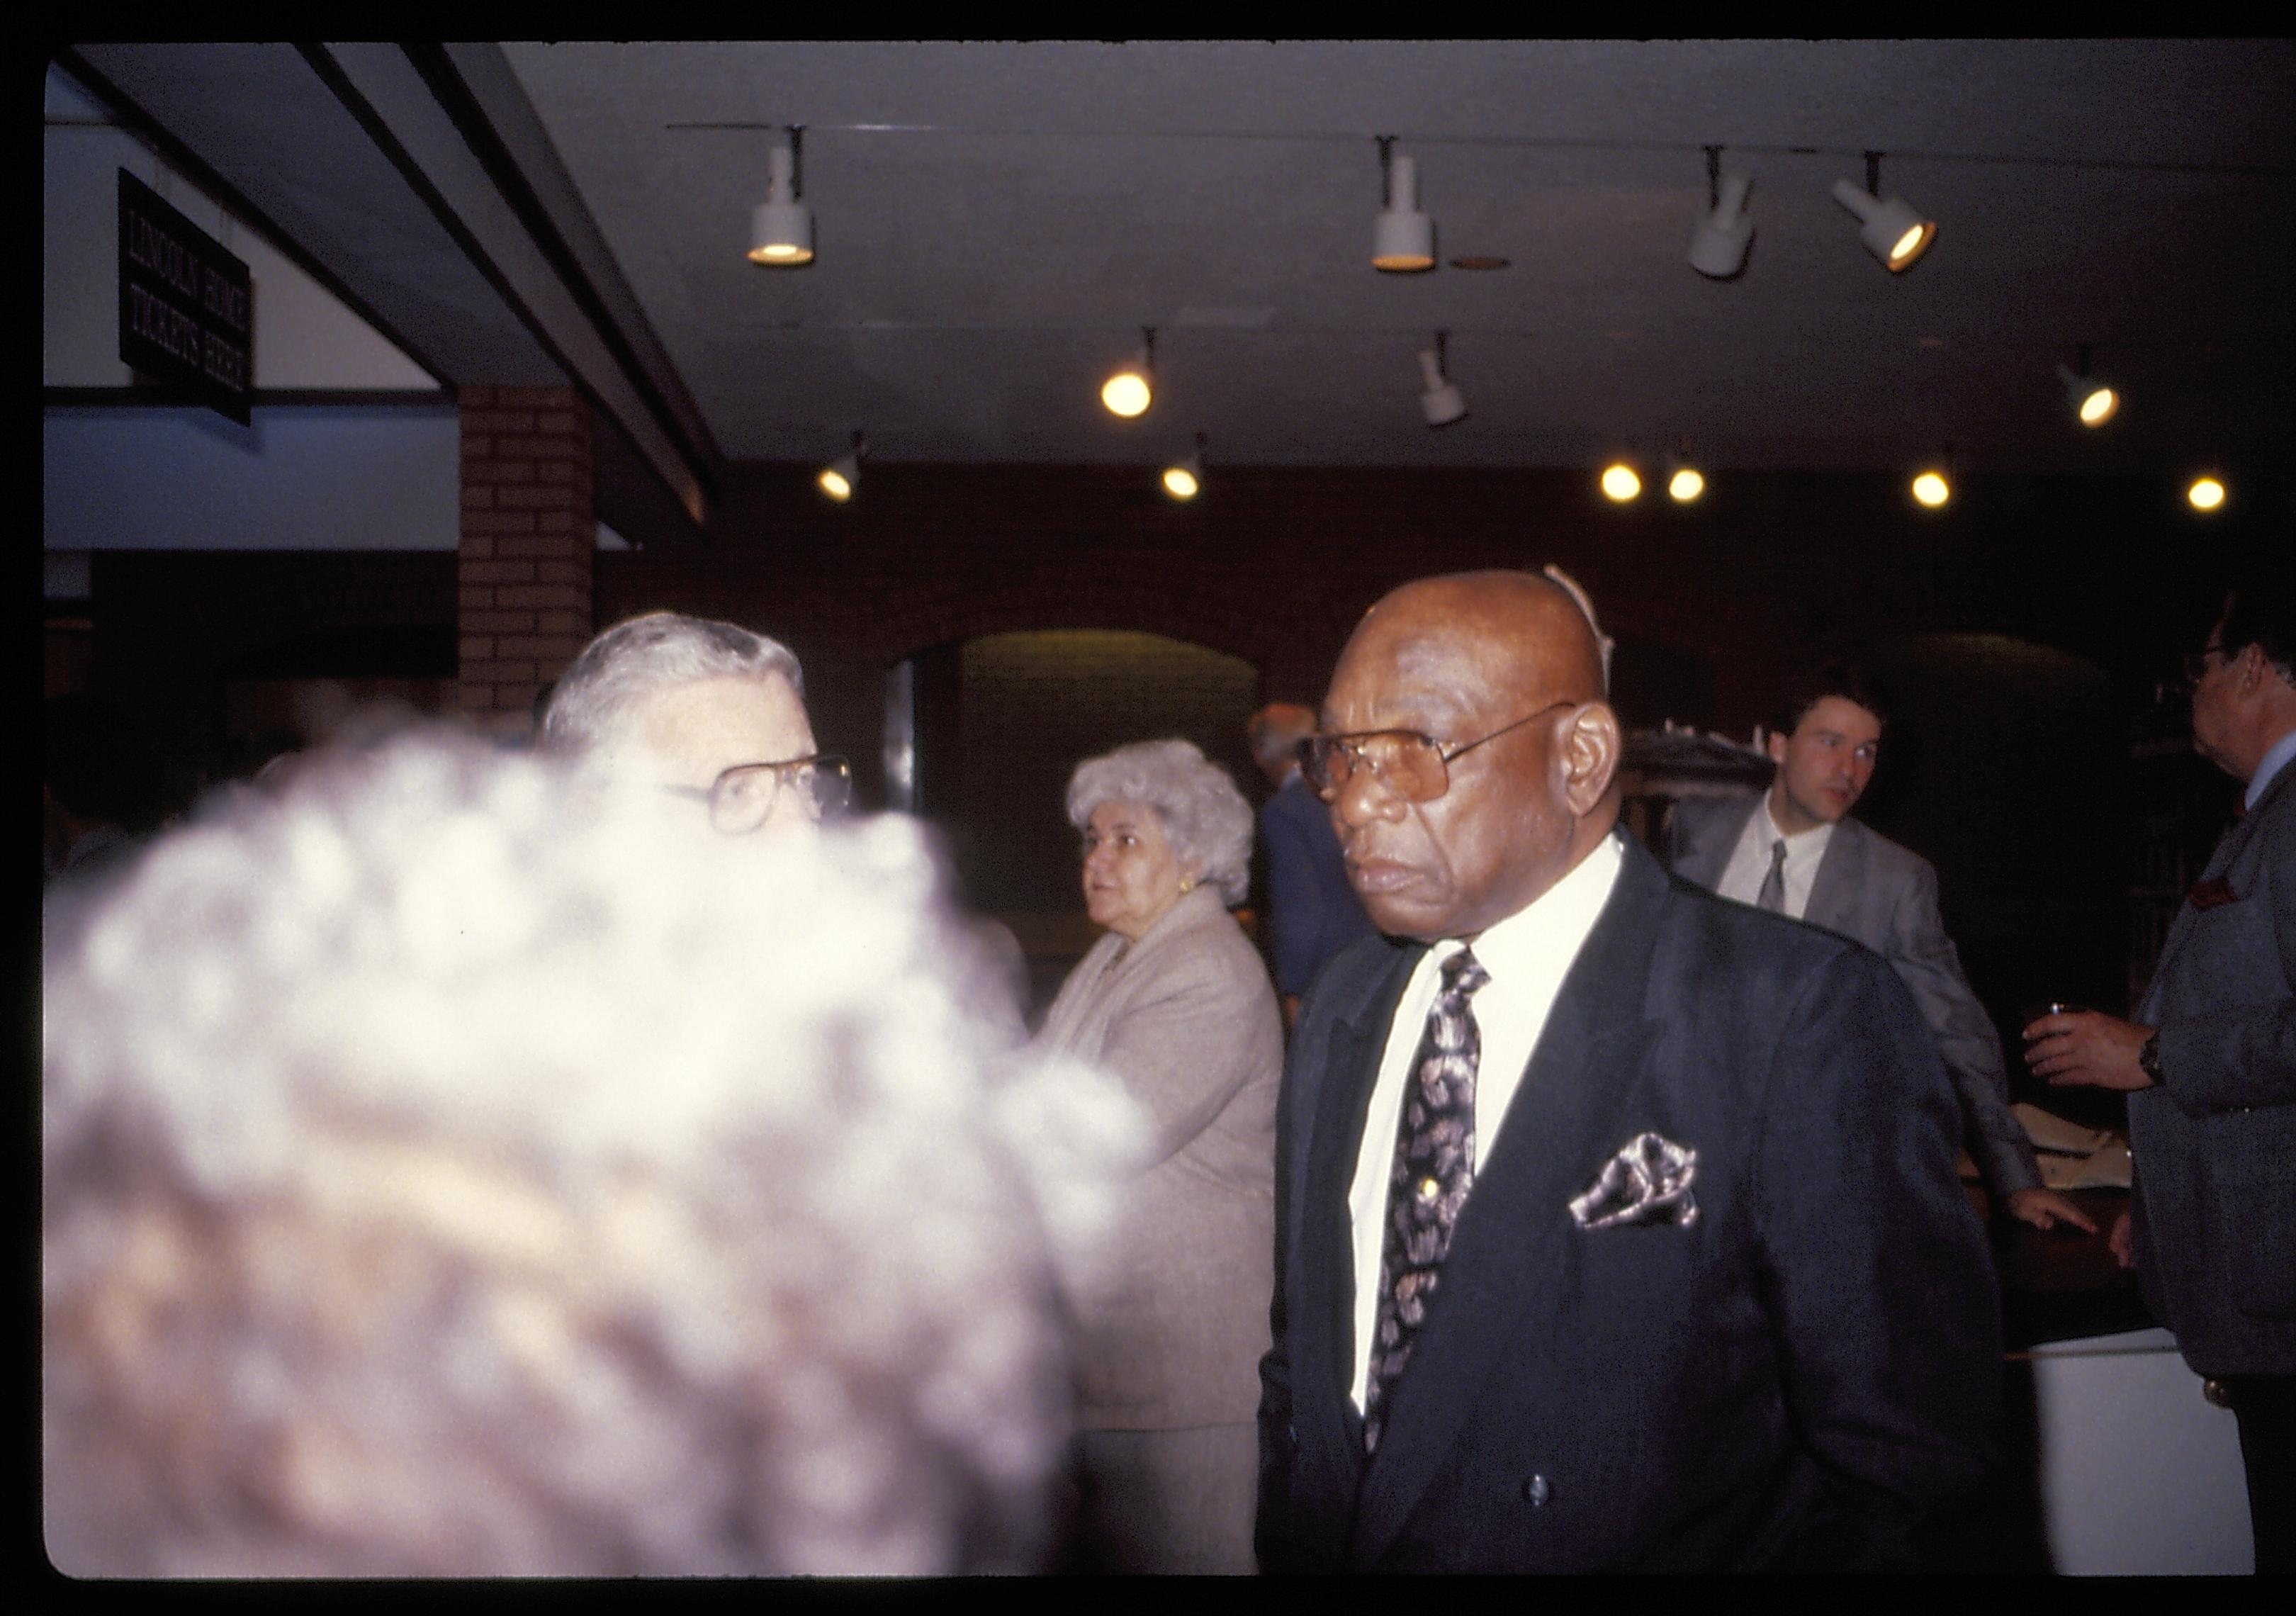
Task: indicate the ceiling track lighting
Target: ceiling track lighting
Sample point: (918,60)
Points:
(2094,404)
(1438,400)
(1132,389)
(1931,487)
(1723,234)
(2205,493)
(1184,478)
(1620,483)
(1891,230)
(842,475)
(781,228)
(1403,238)
(1685,482)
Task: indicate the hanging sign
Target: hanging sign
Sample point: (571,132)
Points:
(187,307)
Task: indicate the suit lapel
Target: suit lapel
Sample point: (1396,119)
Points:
(1713,838)
(2228,848)
(1323,1311)
(1841,877)
(1561,1126)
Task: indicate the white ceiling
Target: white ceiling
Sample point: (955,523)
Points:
(985,263)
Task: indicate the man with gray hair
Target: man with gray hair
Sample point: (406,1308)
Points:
(447,1173)
(705,709)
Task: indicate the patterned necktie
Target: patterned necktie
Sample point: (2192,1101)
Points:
(1434,1167)
(1773,895)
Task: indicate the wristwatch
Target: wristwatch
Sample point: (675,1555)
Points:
(2149,1058)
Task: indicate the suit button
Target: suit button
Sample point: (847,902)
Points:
(1535,1492)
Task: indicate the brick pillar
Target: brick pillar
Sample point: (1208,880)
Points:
(528,533)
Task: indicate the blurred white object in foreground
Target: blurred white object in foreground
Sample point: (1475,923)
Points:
(450,1170)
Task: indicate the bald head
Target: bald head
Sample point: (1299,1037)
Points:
(1276,732)
(1503,671)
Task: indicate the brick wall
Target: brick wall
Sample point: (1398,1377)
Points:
(1711,604)
(528,532)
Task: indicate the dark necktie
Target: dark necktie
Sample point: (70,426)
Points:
(1773,895)
(1434,1167)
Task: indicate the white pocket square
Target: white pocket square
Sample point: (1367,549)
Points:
(1648,1181)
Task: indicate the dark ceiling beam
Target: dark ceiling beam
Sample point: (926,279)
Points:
(505,228)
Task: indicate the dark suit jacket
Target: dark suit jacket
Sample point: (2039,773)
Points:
(2214,1214)
(1798,1376)
(1884,895)
(1313,910)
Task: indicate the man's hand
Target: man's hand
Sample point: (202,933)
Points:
(2042,1208)
(2083,1046)
(2123,1251)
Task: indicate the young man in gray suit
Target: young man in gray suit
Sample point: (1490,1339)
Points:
(1795,851)
(2209,1067)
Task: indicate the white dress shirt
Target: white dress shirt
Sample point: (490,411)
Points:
(1750,861)
(1526,955)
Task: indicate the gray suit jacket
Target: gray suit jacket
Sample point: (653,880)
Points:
(1871,888)
(1185,1020)
(2214,1215)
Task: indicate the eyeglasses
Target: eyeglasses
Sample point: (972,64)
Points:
(2197,664)
(1415,767)
(743,798)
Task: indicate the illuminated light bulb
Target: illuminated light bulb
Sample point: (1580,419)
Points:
(1684,486)
(1620,483)
(1180,482)
(1931,489)
(1891,231)
(835,484)
(1127,393)
(2099,407)
(2206,494)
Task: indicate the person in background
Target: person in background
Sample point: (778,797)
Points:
(1617,1224)
(2209,1064)
(1313,912)
(1794,849)
(445,1172)
(1175,1002)
(703,709)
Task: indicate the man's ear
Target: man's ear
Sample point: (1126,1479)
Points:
(1591,751)
(1774,744)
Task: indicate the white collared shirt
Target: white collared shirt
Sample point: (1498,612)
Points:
(1526,955)
(1750,861)
(2276,757)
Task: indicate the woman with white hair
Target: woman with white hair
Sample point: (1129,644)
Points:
(1175,1002)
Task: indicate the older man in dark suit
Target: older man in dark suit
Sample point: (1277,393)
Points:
(2209,1066)
(1617,1225)
(1795,849)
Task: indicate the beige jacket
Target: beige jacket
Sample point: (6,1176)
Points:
(1186,1020)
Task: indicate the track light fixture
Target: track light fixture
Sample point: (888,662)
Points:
(1891,230)
(1184,478)
(1131,389)
(1620,482)
(842,475)
(781,229)
(1403,240)
(1441,402)
(2093,403)
(1931,489)
(2205,493)
(1719,244)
